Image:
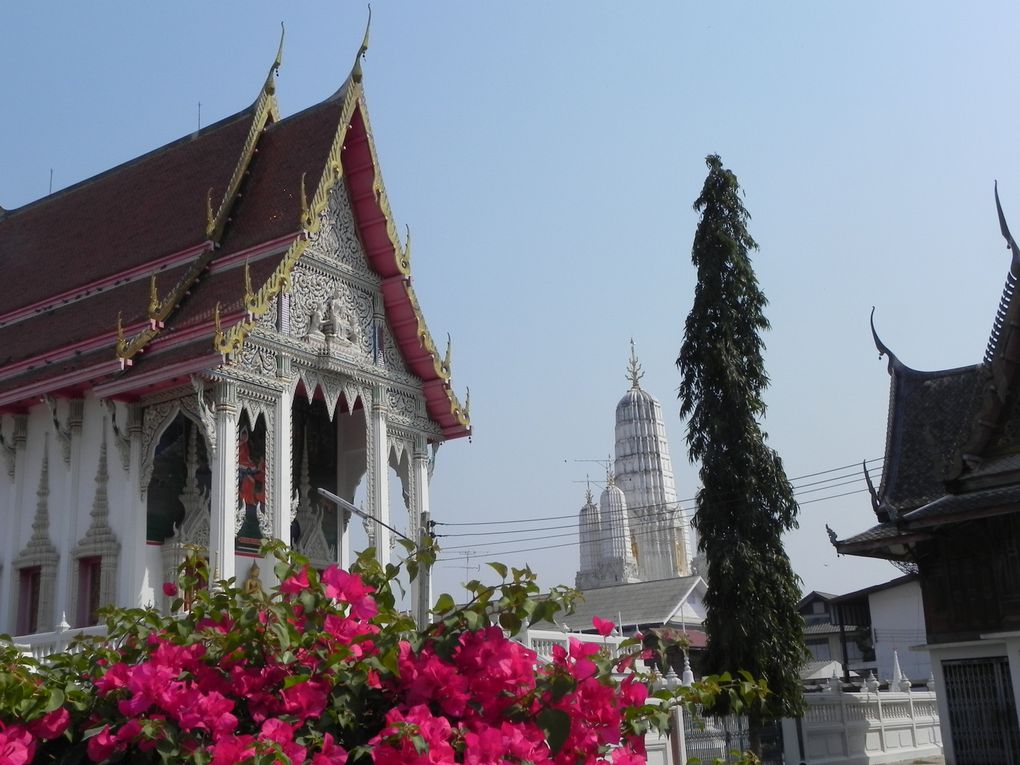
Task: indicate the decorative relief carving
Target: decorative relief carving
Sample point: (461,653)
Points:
(204,414)
(121,437)
(99,541)
(63,429)
(154,421)
(258,359)
(40,551)
(330,314)
(268,320)
(337,240)
(9,450)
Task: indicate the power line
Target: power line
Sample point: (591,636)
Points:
(679,501)
(574,543)
(635,508)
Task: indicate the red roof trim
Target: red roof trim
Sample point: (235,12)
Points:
(74,378)
(113,280)
(373,226)
(66,352)
(133,383)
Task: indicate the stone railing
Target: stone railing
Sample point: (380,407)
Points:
(42,644)
(542,641)
(864,728)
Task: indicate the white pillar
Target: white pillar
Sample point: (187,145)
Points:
(224,483)
(380,485)
(129,521)
(421,588)
(65,600)
(282,468)
(12,530)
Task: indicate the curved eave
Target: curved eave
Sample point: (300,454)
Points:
(390,260)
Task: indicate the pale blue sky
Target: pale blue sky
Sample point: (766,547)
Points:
(546,155)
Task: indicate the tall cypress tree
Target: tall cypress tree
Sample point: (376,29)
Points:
(746,501)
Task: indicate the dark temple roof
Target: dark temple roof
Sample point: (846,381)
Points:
(953,437)
(929,413)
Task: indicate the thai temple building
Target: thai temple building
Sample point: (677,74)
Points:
(637,532)
(195,342)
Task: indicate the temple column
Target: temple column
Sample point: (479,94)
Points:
(65,604)
(12,530)
(224,483)
(421,587)
(282,467)
(380,452)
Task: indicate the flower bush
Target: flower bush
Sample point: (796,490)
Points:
(325,670)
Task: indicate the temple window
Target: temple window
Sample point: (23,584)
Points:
(29,594)
(89,589)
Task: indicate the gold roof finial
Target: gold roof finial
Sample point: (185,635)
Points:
(306,215)
(210,216)
(467,403)
(153,309)
(448,357)
(356,69)
(121,340)
(270,86)
(634,373)
(216,318)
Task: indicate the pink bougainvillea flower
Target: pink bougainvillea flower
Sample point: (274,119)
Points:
(103,745)
(603,626)
(17,746)
(350,588)
(170,589)
(297,583)
(330,754)
(306,699)
(624,756)
(50,725)
(231,750)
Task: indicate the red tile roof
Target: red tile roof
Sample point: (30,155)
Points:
(75,260)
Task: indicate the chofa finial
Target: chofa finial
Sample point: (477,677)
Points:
(356,73)
(634,373)
(1010,242)
(883,349)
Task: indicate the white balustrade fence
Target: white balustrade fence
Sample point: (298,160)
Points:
(864,728)
(42,644)
(542,641)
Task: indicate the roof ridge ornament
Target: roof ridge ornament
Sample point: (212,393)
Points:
(883,349)
(270,87)
(356,73)
(996,337)
(634,372)
(871,487)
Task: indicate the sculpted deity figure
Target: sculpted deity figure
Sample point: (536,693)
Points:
(315,326)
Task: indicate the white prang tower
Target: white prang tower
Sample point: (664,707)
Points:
(639,504)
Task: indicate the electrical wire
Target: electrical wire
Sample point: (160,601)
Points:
(679,501)
(797,491)
(640,533)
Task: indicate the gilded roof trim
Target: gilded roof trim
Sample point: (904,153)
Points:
(159,310)
(230,340)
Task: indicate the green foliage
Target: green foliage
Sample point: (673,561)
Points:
(746,502)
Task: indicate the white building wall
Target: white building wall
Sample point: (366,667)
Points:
(897,624)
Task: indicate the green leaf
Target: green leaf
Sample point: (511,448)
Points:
(555,723)
(444,604)
(55,700)
(499,568)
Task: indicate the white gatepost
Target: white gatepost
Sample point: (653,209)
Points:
(380,485)
(224,484)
